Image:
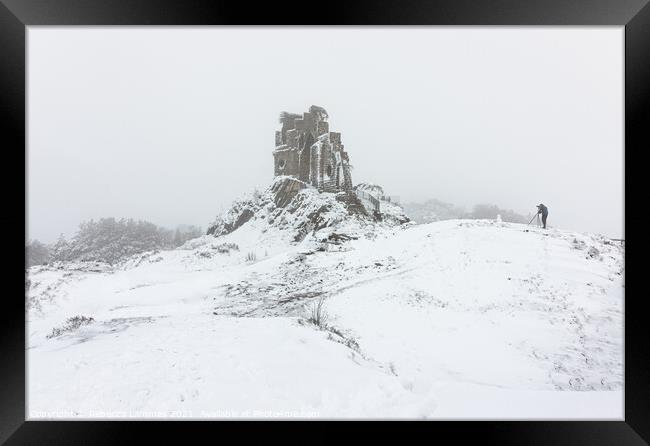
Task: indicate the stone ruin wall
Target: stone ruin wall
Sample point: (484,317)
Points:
(306,150)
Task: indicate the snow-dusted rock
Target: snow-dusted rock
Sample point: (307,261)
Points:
(298,209)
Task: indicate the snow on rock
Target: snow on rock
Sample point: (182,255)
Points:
(300,210)
(453,319)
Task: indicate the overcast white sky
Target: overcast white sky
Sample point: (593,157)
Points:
(171,124)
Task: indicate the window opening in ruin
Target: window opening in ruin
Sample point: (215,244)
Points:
(281,164)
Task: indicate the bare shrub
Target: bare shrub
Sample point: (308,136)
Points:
(318,314)
(70,325)
(225,248)
(251,256)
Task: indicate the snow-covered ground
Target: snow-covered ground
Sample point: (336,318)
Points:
(449,320)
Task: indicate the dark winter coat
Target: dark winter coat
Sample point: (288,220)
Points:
(541,209)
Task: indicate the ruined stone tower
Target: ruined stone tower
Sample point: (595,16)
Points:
(306,150)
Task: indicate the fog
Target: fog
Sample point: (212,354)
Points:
(171,124)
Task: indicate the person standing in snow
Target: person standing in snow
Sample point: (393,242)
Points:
(541,209)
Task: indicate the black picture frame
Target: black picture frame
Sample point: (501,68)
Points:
(634,15)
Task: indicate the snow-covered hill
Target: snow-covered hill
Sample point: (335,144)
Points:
(453,319)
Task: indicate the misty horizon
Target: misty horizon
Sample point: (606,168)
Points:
(172,125)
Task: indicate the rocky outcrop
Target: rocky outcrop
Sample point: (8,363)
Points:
(284,189)
(292,205)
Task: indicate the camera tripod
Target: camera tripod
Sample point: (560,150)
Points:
(538,221)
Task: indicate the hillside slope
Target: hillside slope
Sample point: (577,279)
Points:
(453,319)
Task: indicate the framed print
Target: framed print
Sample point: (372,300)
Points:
(412,215)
